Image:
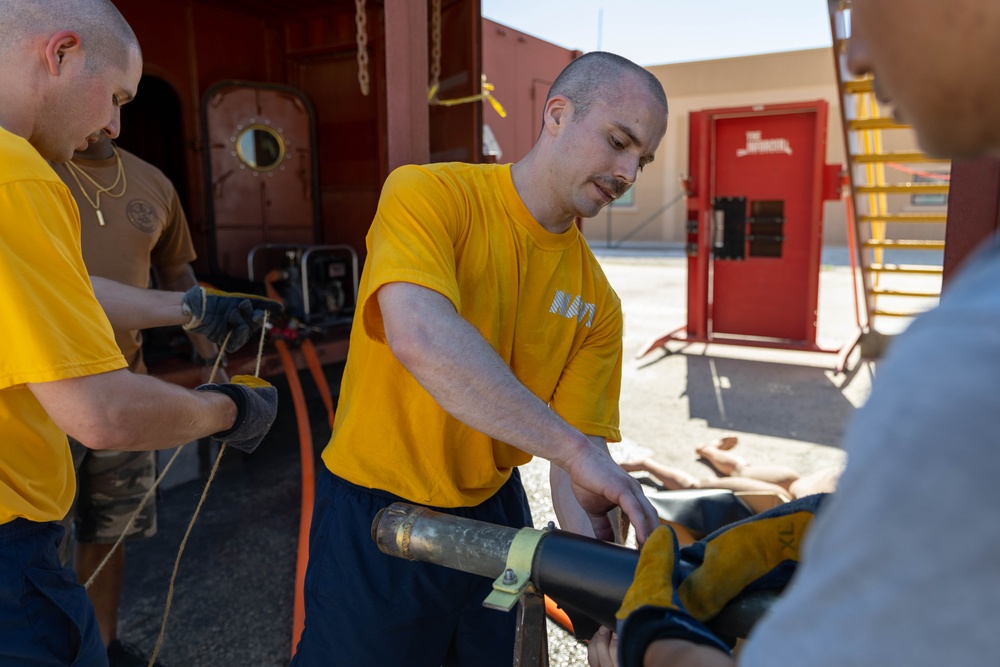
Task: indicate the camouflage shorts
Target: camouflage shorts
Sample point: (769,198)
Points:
(109,487)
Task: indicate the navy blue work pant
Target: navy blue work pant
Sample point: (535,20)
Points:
(46,619)
(367,609)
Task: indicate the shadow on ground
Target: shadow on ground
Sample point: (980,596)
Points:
(774,399)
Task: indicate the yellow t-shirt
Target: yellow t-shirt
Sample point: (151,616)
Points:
(540,299)
(53,329)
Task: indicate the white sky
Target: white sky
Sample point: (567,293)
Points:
(656,32)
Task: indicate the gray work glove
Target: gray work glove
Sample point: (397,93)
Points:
(256,407)
(214,313)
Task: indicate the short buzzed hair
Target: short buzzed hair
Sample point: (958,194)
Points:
(583,79)
(107,38)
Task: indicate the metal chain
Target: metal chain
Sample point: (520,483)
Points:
(361,21)
(432,90)
(435,47)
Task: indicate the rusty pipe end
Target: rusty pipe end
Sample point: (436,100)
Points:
(391,529)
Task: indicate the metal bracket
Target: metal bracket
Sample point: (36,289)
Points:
(510,586)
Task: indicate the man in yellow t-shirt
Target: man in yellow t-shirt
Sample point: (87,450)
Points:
(132,222)
(486,333)
(68,67)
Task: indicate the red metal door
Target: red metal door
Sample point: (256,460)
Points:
(261,170)
(765,222)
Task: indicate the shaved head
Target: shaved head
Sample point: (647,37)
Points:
(583,79)
(68,66)
(105,33)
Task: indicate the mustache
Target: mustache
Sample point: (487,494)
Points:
(613,186)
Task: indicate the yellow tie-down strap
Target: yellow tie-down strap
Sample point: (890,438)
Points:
(510,585)
(486,94)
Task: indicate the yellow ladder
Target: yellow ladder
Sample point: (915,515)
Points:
(896,192)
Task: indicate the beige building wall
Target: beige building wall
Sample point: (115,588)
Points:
(797,76)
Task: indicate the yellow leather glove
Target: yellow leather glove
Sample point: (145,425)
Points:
(651,609)
(759,553)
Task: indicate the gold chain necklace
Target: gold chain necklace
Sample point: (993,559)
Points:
(101,190)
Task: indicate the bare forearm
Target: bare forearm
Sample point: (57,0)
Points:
(132,308)
(569,514)
(123,411)
(158,414)
(678,653)
(483,393)
(469,380)
(602,651)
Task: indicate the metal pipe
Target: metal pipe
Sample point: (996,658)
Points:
(586,577)
(418,533)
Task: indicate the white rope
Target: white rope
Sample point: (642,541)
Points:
(201,501)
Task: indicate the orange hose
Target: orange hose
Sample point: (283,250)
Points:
(305,450)
(553,611)
(316,368)
(308,486)
(270,278)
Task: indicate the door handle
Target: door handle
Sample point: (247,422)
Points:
(719,228)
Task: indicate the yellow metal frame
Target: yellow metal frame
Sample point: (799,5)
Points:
(867,159)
